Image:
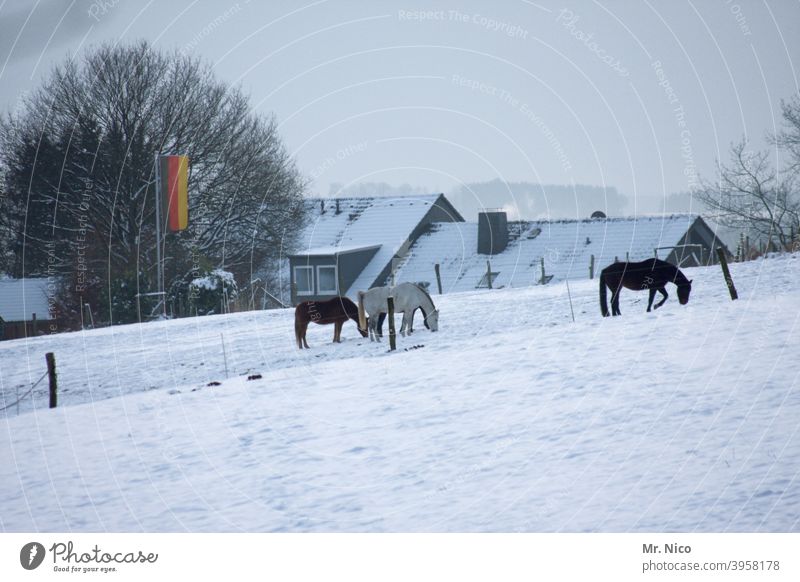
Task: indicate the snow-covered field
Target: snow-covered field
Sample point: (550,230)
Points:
(510,418)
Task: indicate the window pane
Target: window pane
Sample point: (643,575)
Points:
(304,279)
(327,279)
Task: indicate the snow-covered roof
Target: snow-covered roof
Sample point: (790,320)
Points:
(333,250)
(21,298)
(364,222)
(565,245)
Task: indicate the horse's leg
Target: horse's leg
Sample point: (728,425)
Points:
(650,299)
(381,318)
(297,335)
(337,332)
(663,291)
(410,329)
(615,301)
(376,327)
(403,325)
(303,330)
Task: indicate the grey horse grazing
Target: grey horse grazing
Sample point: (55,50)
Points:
(408,297)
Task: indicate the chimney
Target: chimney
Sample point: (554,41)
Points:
(492,232)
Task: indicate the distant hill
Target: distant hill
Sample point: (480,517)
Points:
(527,200)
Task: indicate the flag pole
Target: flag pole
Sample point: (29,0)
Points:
(159,272)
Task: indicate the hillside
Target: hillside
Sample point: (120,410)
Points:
(510,418)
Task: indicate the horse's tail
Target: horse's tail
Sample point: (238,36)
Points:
(603,301)
(362,316)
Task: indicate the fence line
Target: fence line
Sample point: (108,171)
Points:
(21,398)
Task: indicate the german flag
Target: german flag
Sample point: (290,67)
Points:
(175,192)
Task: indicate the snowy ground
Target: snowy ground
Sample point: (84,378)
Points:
(510,418)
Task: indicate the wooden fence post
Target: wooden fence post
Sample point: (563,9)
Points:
(51,374)
(723,261)
(224,354)
(489,274)
(392,336)
(438,277)
(591,267)
(543,281)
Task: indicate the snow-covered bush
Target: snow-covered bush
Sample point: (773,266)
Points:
(212,292)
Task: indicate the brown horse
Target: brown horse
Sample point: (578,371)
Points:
(336,311)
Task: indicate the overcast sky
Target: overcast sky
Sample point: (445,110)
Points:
(642,96)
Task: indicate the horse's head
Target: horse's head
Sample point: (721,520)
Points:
(683,292)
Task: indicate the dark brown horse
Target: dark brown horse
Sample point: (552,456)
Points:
(336,311)
(652,274)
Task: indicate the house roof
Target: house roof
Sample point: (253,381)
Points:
(333,250)
(21,298)
(364,222)
(565,245)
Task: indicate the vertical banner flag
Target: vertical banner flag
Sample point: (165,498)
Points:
(174,191)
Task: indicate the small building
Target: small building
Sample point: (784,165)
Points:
(324,272)
(353,244)
(24,308)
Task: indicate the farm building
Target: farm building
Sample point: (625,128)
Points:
(567,249)
(24,308)
(352,244)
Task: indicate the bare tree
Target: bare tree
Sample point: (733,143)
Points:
(78,169)
(789,137)
(751,194)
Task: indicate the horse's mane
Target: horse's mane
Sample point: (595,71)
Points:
(677,275)
(426,294)
(680,278)
(346,301)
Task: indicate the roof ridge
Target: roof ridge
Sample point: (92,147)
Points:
(529,221)
(376,197)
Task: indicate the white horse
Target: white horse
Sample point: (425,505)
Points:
(408,297)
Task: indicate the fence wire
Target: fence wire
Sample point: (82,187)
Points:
(24,396)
